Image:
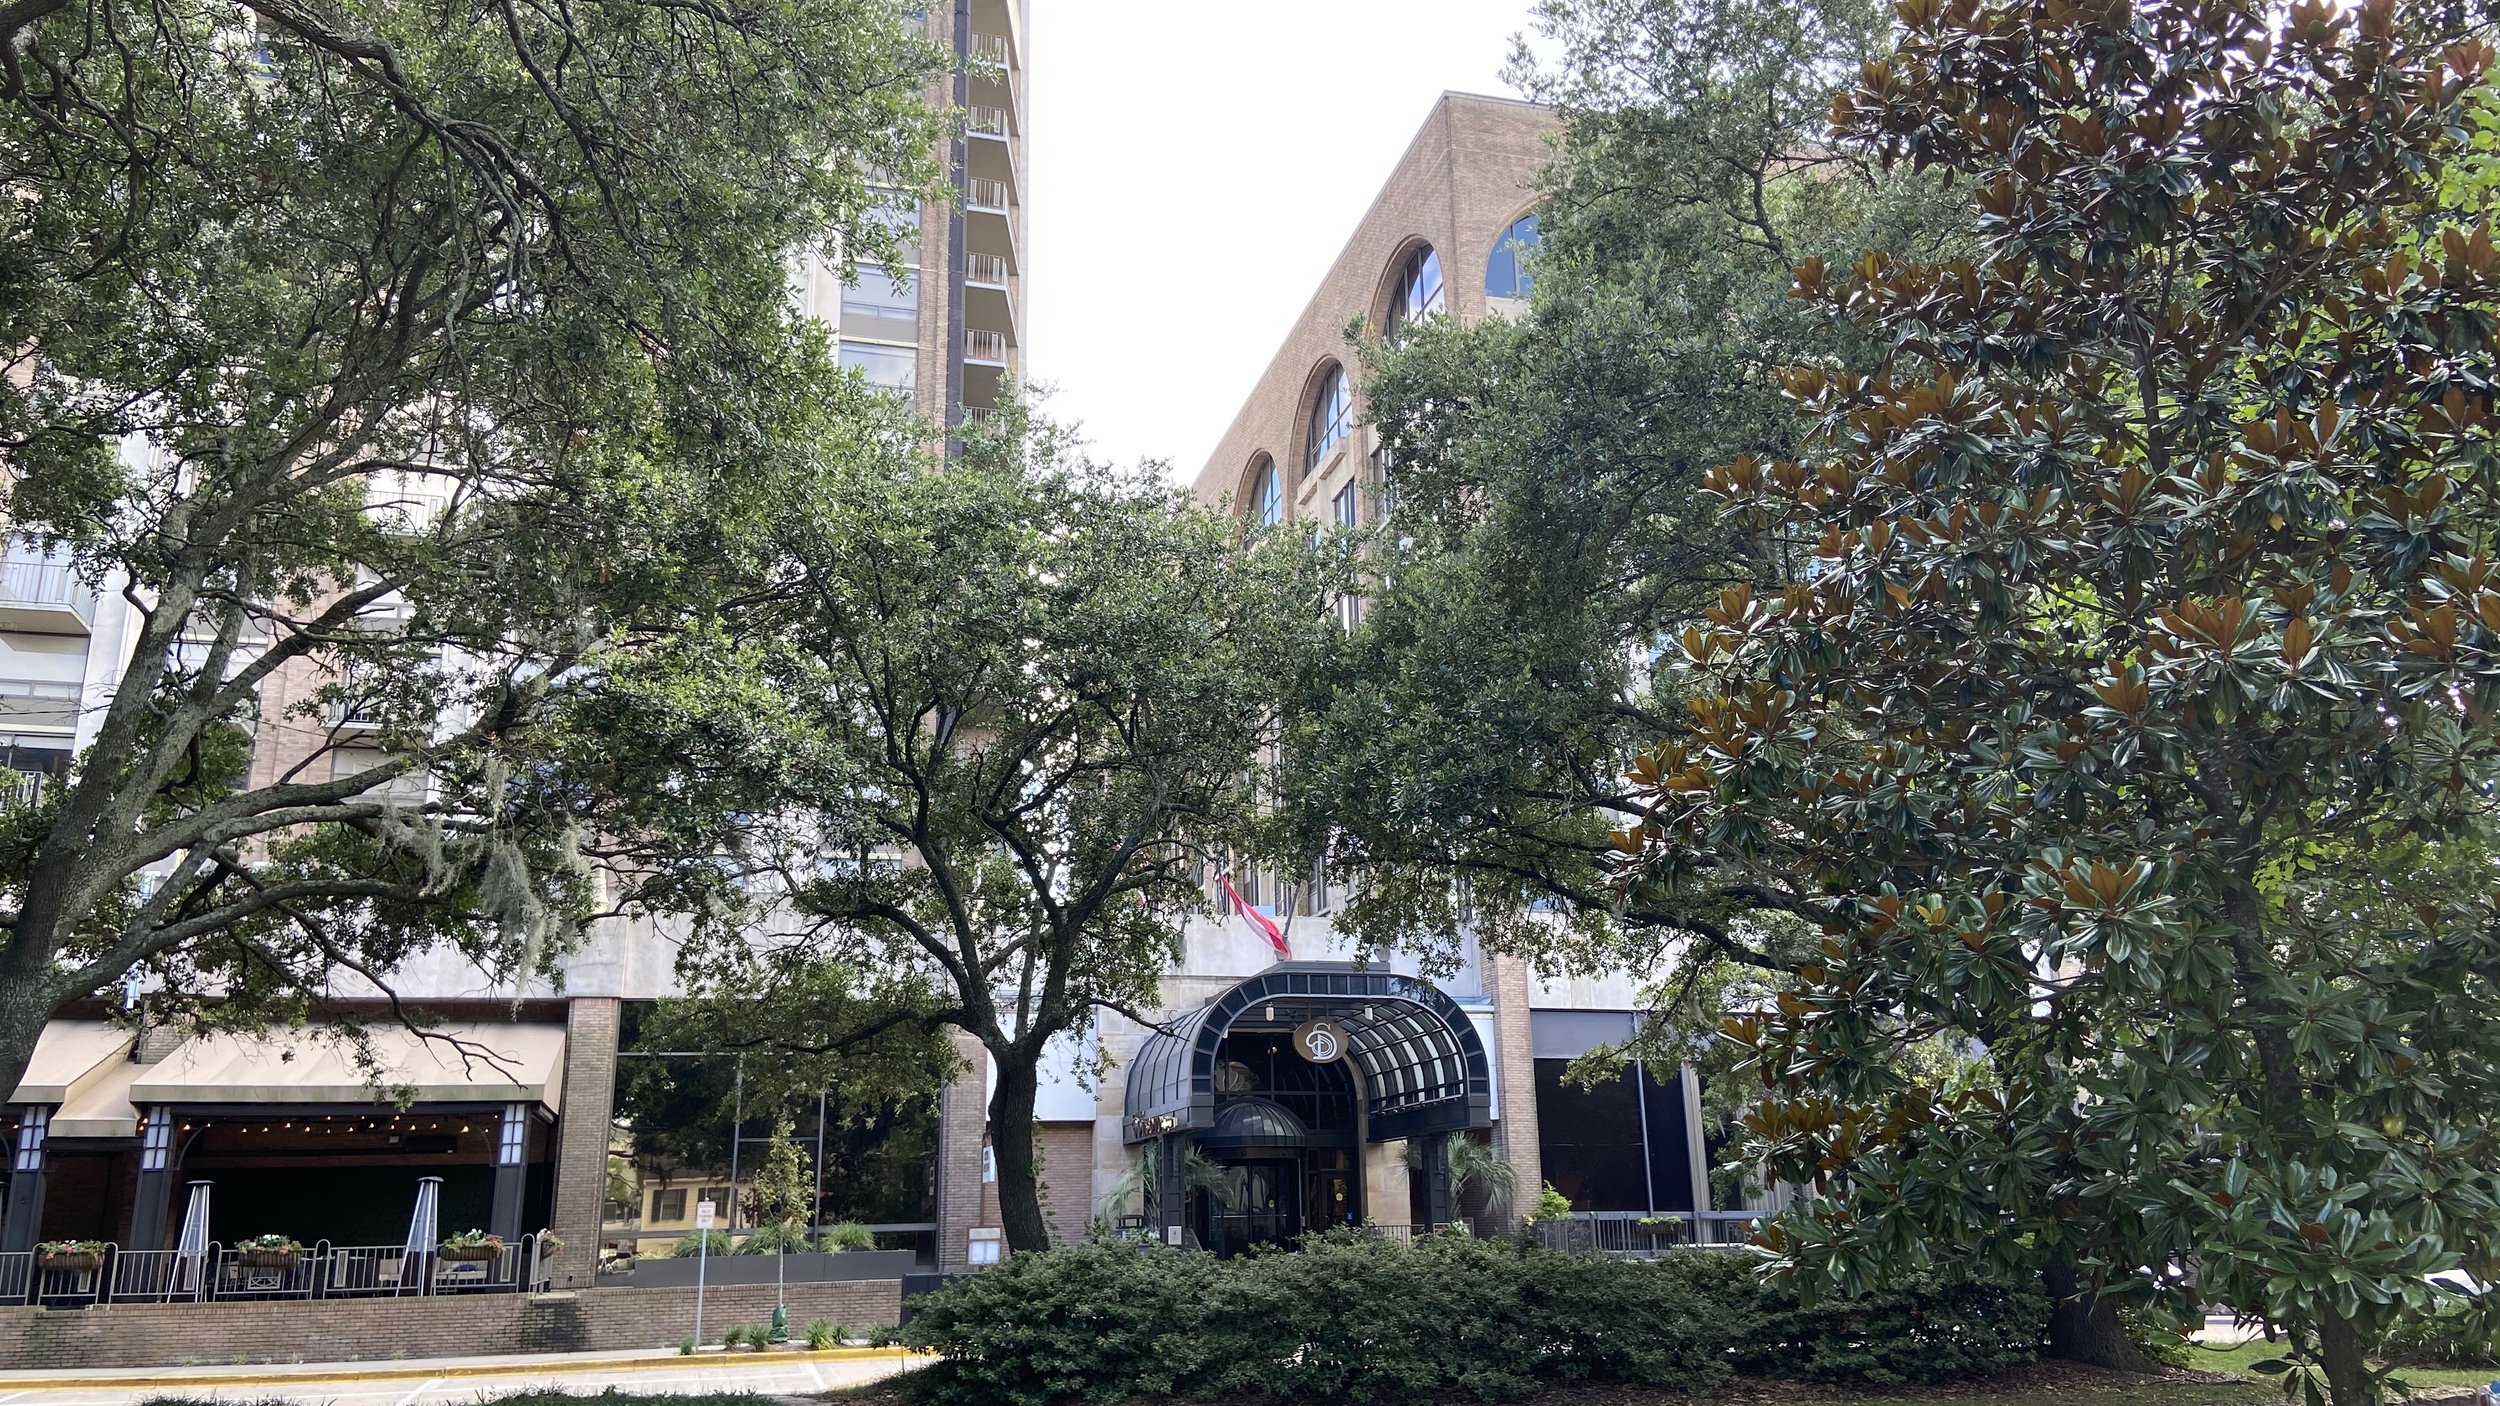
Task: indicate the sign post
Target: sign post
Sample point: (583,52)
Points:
(704,1212)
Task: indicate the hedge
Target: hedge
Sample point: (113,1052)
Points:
(1349,1318)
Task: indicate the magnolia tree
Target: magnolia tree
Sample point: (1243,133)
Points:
(2150,615)
(360,348)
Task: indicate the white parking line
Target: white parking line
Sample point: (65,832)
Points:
(411,1397)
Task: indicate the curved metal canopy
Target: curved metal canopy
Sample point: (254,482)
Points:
(1424,1067)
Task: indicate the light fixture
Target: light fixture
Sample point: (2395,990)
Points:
(1271,1014)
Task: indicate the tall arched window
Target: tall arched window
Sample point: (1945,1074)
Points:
(1267,494)
(1503,275)
(1417,293)
(1332,418)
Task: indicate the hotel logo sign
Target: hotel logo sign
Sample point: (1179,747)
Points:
(1321,1041)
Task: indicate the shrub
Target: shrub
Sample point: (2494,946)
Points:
(691,1245)
(2462,1330)
(1354,1318)
(849,1235)
(823,1333)
(771,1240)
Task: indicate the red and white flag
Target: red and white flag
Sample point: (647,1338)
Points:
(1266,925)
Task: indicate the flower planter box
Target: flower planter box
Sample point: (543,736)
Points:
(72,1262)
(269,1259)
(468,1254)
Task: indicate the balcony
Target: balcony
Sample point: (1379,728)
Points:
(988,270)
(984,120)
(41,595)
(992,49)
(984,347)
(980,417)
(20,790)
(986,195)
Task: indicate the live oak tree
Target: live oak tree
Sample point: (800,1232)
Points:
(1468,748)
(977,726)
(357,344)
(2150,621)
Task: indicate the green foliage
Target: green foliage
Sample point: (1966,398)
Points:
(685,1347)
(2461,1330)
(773,1240)
(980,726)
(848,1235)
(382,352)
(1350,1318)
(1551,1205)
(1468,746)
(2135,729)
(823,1333)
(700,1242)
(1478,1176)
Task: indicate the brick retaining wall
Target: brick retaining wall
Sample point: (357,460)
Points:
(367,1330)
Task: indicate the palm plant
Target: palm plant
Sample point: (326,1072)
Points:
(1199,1172)
(1475,1169)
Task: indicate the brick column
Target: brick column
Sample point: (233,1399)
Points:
(1514,1060)
(963,1117)
(590,1034)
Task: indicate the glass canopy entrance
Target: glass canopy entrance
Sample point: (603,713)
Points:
(1276,1086)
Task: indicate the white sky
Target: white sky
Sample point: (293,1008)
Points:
(1194,168)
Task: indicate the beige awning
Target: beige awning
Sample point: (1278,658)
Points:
(100,1105)
(488,1064)
(67,1054)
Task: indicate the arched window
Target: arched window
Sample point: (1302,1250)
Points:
(1267,494)
(1417,293)
(1503,276)
(1332,418)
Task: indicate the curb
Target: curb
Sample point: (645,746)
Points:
(389,1372)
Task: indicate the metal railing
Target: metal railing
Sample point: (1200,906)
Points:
(985,120)
(1640,1234)
(980,416)
(992,47)
(986,268)
(20,790)
(982,344)
(229,1275)
(985,193)
(32,577)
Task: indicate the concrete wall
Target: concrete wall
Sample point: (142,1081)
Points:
(589,1320)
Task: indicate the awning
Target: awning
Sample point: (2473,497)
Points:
(488,1064)
(68,1054)
(1423,1064)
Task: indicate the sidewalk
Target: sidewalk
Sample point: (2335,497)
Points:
(420,1382)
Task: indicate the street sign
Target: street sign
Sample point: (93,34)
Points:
(705,1213)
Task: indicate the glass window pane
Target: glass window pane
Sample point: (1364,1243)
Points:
(1590,1140)
(899,212)
(880,306)
(1504,277)
(895,368)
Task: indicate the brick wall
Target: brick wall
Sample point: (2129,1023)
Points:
(590,1033)
(590,1320)
(1067,1180)
(1514,1060)
(963,1117)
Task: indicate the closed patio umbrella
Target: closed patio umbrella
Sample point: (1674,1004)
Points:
(424,1230)
(190,1267)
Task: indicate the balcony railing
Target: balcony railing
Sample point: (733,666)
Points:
(980,417)
(32,580)
(20,790)
(984,120)
(321,1271)
(991,48)
(986,268)
(982,344)
(985,193)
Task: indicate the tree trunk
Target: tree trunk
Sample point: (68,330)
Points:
(25,1005)
(2348,1381)
(2085,1327)
(1011,1147)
